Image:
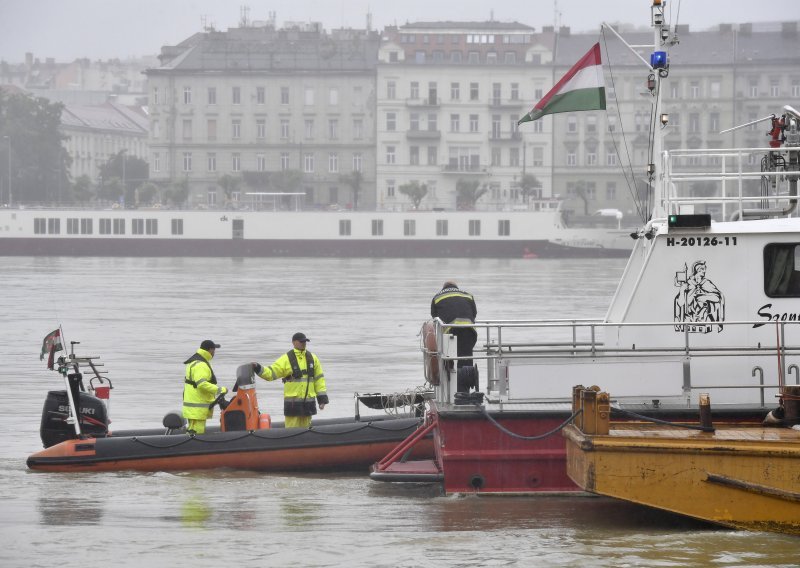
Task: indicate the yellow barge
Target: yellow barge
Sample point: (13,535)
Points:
(742,476)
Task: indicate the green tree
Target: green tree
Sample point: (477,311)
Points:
(147,192)
(230,183)
(415,191)
(82,189)
(582,193)
(354,180)
(528,184)
(468,192)
(134,171)
(177,193)
(39,163)
(110,189)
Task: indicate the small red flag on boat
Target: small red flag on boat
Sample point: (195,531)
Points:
(51,344)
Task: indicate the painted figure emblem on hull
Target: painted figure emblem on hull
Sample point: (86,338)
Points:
(699,305)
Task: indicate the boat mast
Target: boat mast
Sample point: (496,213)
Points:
(659,69)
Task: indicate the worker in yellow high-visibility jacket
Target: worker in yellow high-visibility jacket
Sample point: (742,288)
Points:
(303,382)
(200,389)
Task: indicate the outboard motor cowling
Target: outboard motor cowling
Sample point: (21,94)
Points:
(55,429)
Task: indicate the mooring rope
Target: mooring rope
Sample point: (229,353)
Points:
(529,438)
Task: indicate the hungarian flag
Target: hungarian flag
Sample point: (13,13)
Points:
(582,88)
(51,344)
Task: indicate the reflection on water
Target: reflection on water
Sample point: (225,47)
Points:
(143,318)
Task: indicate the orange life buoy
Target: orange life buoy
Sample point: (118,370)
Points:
(430,353)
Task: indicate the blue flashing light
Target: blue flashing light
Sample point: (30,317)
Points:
(658,60)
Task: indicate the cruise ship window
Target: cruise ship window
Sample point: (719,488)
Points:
(39,226)
(86,226)
(409,227)
(781,274)
(177,226)
(377,227)
(345,227)
(119,226)
(54,226)
(504,227)
(441,227)
(474,227)
(105,226)
(137,226)
(72,226)
(151,226)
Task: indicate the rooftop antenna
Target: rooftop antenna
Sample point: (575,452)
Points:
(556,16)
(369,20)
(244,16)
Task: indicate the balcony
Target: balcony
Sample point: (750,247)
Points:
(423,134)
(464,169)
(505,103)
(505,136)
(425,102)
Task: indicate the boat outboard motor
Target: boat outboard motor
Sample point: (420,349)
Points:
(55,429)
(242,413)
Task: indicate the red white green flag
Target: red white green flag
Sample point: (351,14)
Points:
(582,88)
(51,344)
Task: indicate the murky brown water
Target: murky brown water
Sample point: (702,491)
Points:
(144,316)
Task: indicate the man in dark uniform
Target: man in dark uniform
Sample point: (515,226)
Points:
(452,305)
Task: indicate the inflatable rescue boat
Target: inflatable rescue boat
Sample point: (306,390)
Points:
(245,439)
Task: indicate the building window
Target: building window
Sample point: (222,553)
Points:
(611,191)
(236,95)
(455,91)
(716,89)
(333,128)
(155,96)
(433,156)
(474,93)
(413,155)
(308,96)
(212,162)
(473,123)
(455,123)
(358,128)
(187,129)
(284,95)
(591,158)
(694,90)
(309,128)
(409,227)
(357,161)
(441,227)
(713,122)
(611,157)
(538,156)
(754,88)
(119,226)
(591,124)
(572,124)
(261,128)
(308,163)
(261,163)
(236,162)
(391,90)
(774,89)
(333,96)
(433,125)
(414,90)
(187,161)
(284,129)
(211,127)
(261,95)
(413,121)
(187,95)
(284,161)
(377,227)
(345,227)
(514,91)
(572,159)
(390,155)
(504,228)
(390,186)
(496,156)
(177,226)
(212,95)
(694,122)
(236,129)
(391,121)
(333,163)
(513,157)
(474,227)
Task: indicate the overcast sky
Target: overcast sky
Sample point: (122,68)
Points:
(104,29)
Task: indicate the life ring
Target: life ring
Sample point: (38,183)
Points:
(430,353)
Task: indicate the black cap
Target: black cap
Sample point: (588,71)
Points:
(300,336)
(208,345)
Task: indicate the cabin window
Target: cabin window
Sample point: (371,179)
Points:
(177,226)
(39,226)
(474,227)
(504,227)
(119,226)
(137,226)
(441,227)
(377,227)
(72,226)
(409,227)
(54,226)
(345,227)
(151,226)
(86,226)
(781,274)
(105,226)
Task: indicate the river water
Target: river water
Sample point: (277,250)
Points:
(144,316)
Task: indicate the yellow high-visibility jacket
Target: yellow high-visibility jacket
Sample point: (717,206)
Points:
(200,387)
(300,393)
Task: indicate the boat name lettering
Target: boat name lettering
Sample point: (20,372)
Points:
(701,241)
(65,409)
(785,316)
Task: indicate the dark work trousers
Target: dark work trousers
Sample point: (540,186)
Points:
(466,337)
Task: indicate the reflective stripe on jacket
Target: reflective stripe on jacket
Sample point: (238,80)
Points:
(452,305)
(300,394)
(199,389)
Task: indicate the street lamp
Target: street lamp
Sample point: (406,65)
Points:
(10,197)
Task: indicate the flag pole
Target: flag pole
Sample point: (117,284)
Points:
(74,410)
